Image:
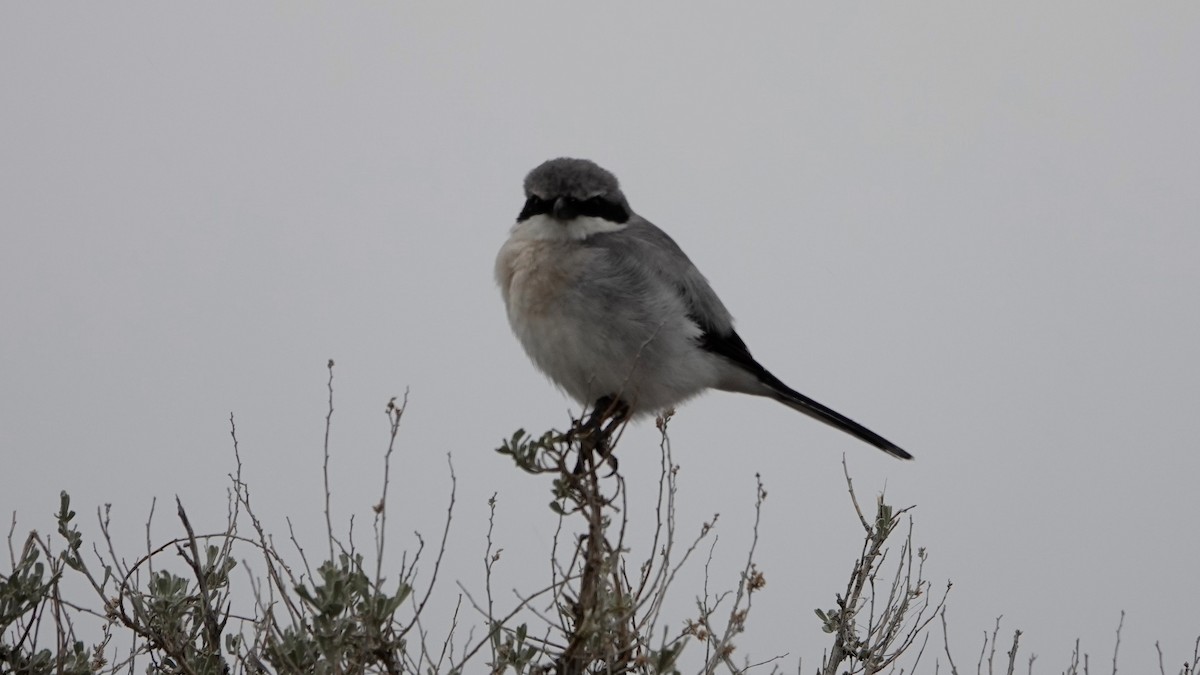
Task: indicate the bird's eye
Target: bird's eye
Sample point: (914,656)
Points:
(534,206)
(602,207)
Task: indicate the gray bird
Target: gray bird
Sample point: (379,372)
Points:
(611,309)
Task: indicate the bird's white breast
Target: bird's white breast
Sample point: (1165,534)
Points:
(532,275)
(540,260)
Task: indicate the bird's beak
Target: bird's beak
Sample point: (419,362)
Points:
(564,209)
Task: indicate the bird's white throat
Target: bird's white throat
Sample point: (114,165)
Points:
(544,228)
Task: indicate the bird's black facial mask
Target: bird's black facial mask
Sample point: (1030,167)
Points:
(567,208)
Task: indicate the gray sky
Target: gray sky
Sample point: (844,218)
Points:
(972,228)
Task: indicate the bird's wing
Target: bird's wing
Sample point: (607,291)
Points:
(653,254)
(650,253)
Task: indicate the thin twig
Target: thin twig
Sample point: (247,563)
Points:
(325,465)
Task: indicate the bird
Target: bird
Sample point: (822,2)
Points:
(612,310)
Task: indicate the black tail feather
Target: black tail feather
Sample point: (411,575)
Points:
(731,346)
(794,399)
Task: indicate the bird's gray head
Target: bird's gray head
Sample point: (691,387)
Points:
(567,188)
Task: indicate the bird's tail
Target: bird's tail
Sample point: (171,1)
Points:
(794,399)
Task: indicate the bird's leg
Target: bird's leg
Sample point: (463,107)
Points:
(586,430)
(616,412)
(599,412)
(596,435)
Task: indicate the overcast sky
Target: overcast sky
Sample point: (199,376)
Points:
(974,229)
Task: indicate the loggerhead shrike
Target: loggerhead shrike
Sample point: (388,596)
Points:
(610,308)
